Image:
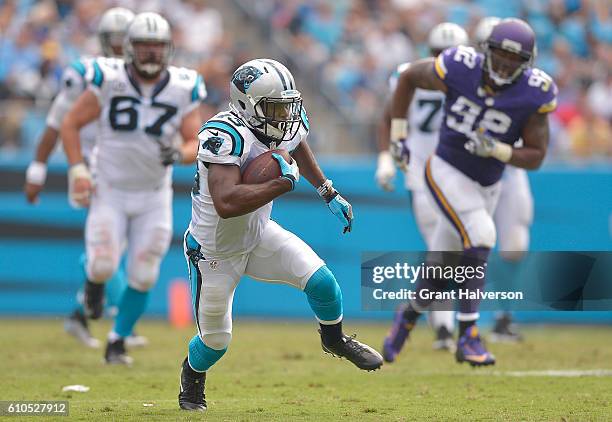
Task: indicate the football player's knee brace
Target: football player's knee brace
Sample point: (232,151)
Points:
(201,356)
(324,295)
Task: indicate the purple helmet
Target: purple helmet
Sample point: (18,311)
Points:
(510,49)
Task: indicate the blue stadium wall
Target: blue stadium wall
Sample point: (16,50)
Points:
(40,245)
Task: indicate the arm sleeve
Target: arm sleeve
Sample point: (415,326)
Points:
(220,143)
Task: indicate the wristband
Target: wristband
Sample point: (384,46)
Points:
(325,189)
(399,129)
(79,171)
(502,152)
(36,173)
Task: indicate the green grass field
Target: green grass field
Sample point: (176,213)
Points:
(277,371)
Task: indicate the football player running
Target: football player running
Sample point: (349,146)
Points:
(231,233)
(513,215)
(111,33)
(492,100)
(424,120)
(142,103)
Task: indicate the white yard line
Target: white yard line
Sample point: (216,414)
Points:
(568,373)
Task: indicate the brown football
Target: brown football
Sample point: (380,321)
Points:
(264,168)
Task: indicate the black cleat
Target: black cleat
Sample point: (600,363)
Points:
(360,354)
(93,299)
(505,331)
(115,353)
(76,326)
(444,340)
(191,395)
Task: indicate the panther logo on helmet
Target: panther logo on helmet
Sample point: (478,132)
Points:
(245,76)
(264,95)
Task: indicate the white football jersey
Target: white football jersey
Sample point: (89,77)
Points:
(225,139)
(136,121)
(74,82)
(424,121)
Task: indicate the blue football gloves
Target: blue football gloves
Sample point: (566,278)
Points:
(290,172)
(337,204)
(341,209)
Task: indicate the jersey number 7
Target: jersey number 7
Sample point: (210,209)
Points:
(434,106)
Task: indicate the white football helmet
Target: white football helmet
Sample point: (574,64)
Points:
(263,93)
(112,29)
(483,30)
(148,44)
(446,35)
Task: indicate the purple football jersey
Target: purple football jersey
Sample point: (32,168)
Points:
(468,107)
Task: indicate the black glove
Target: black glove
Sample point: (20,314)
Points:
(170,155)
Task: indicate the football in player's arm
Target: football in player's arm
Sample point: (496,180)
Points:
(232,198)
(231,233)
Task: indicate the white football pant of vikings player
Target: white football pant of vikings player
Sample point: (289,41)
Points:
(513,217)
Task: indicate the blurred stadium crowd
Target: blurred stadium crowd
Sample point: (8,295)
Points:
(349,48)
(352,46)
(39,38)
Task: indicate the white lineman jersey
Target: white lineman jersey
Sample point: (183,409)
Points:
(225,139)
(424,121)
(136,121)
(74,82)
